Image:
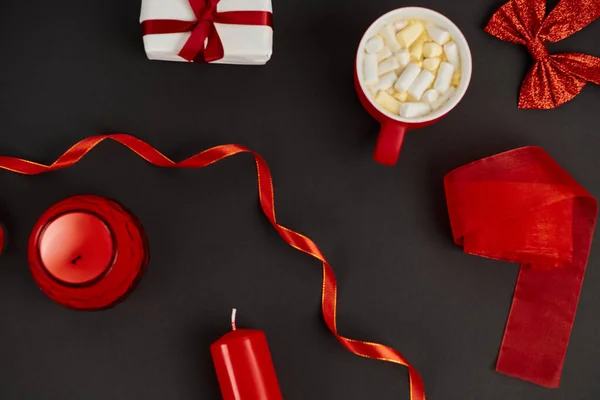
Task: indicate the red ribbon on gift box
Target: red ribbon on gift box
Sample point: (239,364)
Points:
(204,44)
(521,206)
(267,202)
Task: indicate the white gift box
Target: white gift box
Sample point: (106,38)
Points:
(242,44)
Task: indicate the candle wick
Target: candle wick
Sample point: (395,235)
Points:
(75,260)
(233,313)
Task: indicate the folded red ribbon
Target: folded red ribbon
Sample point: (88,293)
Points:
(267,203)
(521,206)
(553,79)
(204,43)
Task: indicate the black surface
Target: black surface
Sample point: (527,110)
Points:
(75,68)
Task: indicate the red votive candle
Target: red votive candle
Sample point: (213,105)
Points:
(244,366)
(76,247)
(87,252)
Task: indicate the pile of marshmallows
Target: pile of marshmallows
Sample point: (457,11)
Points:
(411,68)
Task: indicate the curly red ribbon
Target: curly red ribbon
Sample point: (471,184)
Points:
(266,197)
(203,28)
(521,206)
(553,79)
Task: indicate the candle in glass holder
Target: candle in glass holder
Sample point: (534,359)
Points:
(244,366)
(87,252)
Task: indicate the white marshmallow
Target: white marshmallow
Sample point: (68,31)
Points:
(385,100)
(456,78)
(400,24)
(438,35)
(443,98)
(409,34)
(374,45)
(386,81)
(407,77)
(430,96)
(383,54)
(387,65)
(403,57)
(416,50)
(451,50)
(414,109)
(431,49)
(420,85)
(401,96)
(389,34)
(444,77)
(370,74)
(431,64)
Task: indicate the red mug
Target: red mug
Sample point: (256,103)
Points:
(393,126)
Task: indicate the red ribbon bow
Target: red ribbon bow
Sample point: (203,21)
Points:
(521,206)
(204,44)
(553,79)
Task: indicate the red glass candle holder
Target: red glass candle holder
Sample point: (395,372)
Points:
(87,252)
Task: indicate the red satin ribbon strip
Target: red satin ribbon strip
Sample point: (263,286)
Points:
(521,206)
(266,197)
(162,26)
(204,28)
(553,79)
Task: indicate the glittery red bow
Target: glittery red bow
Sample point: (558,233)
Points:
(204,43)
(554,79)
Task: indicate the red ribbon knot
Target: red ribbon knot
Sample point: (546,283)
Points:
(521,206)
(553,79)
(208,12)
(537,48)
(204,43)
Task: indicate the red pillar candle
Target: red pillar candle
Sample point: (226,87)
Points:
(244,366)
(87,252)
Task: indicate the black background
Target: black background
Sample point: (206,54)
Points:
(74,68)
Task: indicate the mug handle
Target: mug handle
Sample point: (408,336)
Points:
(389,142)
